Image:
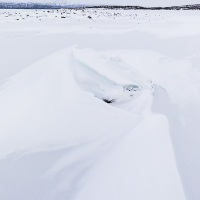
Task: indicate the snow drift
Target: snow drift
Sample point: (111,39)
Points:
(113,117)
(58,105)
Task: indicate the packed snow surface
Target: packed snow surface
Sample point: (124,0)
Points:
(99,105)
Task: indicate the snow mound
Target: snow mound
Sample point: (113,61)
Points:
(52,114)
(46,99)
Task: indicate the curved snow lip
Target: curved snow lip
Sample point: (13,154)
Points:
(108,79)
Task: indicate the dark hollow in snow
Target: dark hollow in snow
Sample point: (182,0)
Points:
(109,101)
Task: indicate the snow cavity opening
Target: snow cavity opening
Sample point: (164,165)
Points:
(107,79)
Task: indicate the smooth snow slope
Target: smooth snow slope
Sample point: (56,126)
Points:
(59,139)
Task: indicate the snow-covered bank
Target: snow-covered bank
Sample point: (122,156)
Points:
(59,139)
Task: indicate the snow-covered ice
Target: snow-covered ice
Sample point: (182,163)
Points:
(99,105)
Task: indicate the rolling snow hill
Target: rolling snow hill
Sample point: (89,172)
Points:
(99,104)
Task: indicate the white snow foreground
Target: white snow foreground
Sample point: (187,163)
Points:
(60,140)
(100,108)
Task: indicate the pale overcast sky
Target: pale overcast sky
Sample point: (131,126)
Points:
(117,2)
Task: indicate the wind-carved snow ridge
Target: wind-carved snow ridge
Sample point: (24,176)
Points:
(109,79)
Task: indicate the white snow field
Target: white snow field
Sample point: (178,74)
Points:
(99,105)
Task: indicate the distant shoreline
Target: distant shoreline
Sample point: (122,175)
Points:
(6,5)
(185,7)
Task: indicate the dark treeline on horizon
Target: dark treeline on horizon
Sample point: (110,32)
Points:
(6,5)
(184,7)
